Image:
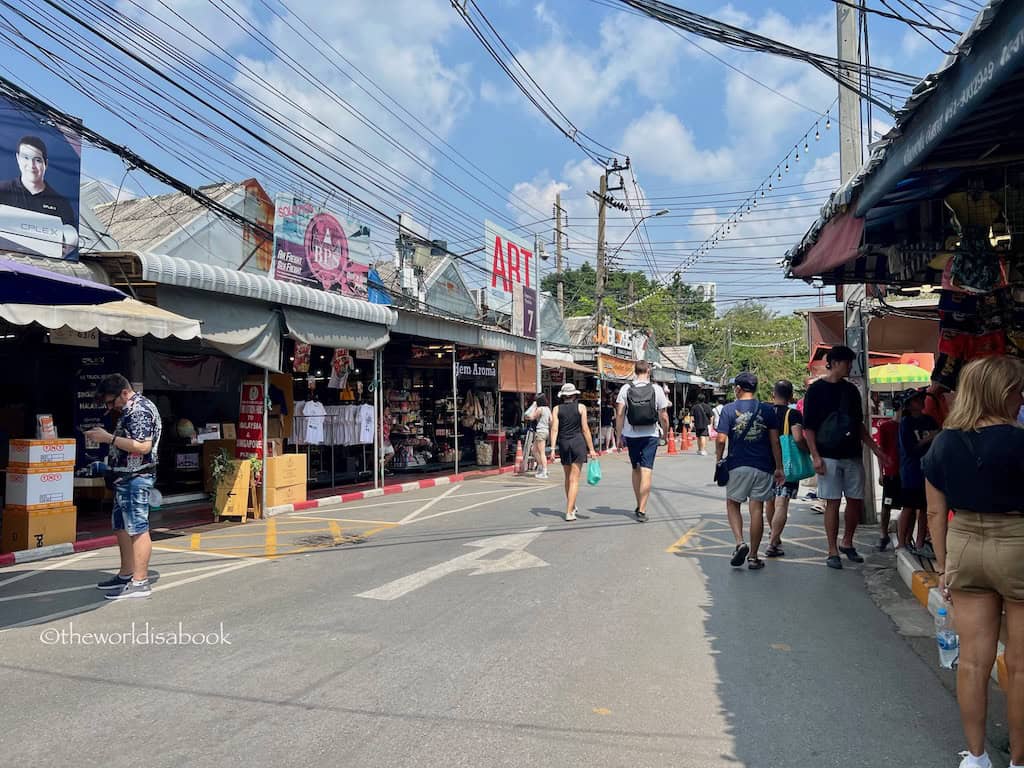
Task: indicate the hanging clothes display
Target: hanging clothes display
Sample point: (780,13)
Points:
(300,363)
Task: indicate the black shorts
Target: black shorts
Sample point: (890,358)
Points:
(892,493)
(573,452)
(701,431)
(914,498)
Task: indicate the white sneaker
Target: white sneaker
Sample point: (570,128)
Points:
(970,761)
(542,475)
(570,516)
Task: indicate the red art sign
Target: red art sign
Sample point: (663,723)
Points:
(249,442)
(510,259)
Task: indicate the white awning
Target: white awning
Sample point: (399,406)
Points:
(128,316)
(185,273)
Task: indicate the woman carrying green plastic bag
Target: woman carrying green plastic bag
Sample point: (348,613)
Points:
(796,462)
(593,472)
(571,433)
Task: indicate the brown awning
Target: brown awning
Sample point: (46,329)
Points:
(548,362)
(517,372)
(837,244)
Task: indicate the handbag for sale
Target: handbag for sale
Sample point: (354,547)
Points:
(796,462)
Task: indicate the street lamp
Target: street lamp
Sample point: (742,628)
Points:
(662,212)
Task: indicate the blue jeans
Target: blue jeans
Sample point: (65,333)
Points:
(131,505)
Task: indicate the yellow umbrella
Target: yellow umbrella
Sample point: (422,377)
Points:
(893,376)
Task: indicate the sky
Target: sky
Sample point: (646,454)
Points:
(407,112)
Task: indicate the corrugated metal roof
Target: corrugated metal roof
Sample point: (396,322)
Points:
(840,200)
(81,269)
(167,270)
(144,223)
(682,358)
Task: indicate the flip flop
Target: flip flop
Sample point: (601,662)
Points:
(739,555)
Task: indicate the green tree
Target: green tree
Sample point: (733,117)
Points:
(752,337)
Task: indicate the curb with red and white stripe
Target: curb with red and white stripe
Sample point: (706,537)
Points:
(387,490)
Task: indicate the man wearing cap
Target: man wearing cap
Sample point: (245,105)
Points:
(751,430)
(916,432)
(640,408)
(835,431)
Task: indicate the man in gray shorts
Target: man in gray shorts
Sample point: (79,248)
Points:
(835,430)
(751,429)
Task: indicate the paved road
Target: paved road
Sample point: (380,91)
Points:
(472,626)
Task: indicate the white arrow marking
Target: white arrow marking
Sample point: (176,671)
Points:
(474,562)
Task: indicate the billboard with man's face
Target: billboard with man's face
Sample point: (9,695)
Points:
(40,168)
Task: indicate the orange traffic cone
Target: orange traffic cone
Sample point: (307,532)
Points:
(687,443)
(519,457)
(671,442)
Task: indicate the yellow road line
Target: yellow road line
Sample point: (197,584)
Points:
(341,520)
(270,545)
(681,541)
(194,542)
(335,531)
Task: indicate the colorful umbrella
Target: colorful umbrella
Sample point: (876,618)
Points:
(897,375)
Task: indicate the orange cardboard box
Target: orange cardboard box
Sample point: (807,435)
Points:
(25,528)
(286,495)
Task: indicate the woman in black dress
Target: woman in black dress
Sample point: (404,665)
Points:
(570,432)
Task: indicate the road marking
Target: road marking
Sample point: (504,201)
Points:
(601,711)
(473,562)
(84,608)
(420,510)
(270,545)
(57,563)
(62,590)
(483,503)
(780,647)
(194,542)
(335,531)
(343,520)
(681,541)
(179,550)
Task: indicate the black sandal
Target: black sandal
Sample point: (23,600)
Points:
(774,551)
(739,555)
(755,563)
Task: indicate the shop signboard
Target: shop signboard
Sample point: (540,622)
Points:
(249,442)
(320,249)
(40,167)
(615,367)
(484,368)
(510,258)
(524,311)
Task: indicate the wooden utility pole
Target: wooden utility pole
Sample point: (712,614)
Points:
(679,314)
(558,254)
(602,211)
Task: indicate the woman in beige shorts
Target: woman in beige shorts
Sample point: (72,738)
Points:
(975,503)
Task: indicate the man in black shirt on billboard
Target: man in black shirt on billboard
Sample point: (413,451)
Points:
(835,431)
(30,191)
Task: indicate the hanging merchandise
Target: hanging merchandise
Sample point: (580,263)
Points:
(301,358)
(341,365)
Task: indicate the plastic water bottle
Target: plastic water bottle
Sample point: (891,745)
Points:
(949,643)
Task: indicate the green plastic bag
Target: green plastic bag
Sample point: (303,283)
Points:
(593,472)
(796,462)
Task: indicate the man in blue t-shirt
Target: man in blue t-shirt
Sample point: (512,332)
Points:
(751,429)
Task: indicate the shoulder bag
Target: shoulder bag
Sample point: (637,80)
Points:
(796,462)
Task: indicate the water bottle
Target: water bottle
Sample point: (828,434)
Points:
(949,643)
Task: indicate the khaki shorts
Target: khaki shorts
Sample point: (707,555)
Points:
(985,553)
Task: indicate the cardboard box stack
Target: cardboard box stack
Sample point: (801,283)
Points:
(39,506)
(286,479)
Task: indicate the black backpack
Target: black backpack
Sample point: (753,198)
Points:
(701,416)
(641,405)
(838,427)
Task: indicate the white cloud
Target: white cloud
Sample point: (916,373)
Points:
(659,140)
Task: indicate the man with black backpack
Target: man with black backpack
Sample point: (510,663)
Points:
(835,431)
(640,407)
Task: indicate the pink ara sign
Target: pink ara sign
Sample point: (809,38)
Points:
(319,249)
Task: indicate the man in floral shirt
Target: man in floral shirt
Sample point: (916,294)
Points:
(132,460)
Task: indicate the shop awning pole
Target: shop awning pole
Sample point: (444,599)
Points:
(378,414)
(455,406)
(536,323)
(266,429)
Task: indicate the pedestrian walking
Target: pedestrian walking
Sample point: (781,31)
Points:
(702,415)
(972,473)
(835,431)
(776,508)
(641,408)
(539,413)
(571,433)
(917,430)
(750,428)
(606,439)
(131,463)
(888,440)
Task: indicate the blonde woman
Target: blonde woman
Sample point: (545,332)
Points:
(975,506)
(571,433)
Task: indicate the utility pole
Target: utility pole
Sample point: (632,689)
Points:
(602,210)
(679,314)
(558,254)
(851,157)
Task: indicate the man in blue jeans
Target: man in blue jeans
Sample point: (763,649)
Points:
(132,454)
(640,408)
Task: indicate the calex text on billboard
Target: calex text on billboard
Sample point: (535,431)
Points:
(510,259)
